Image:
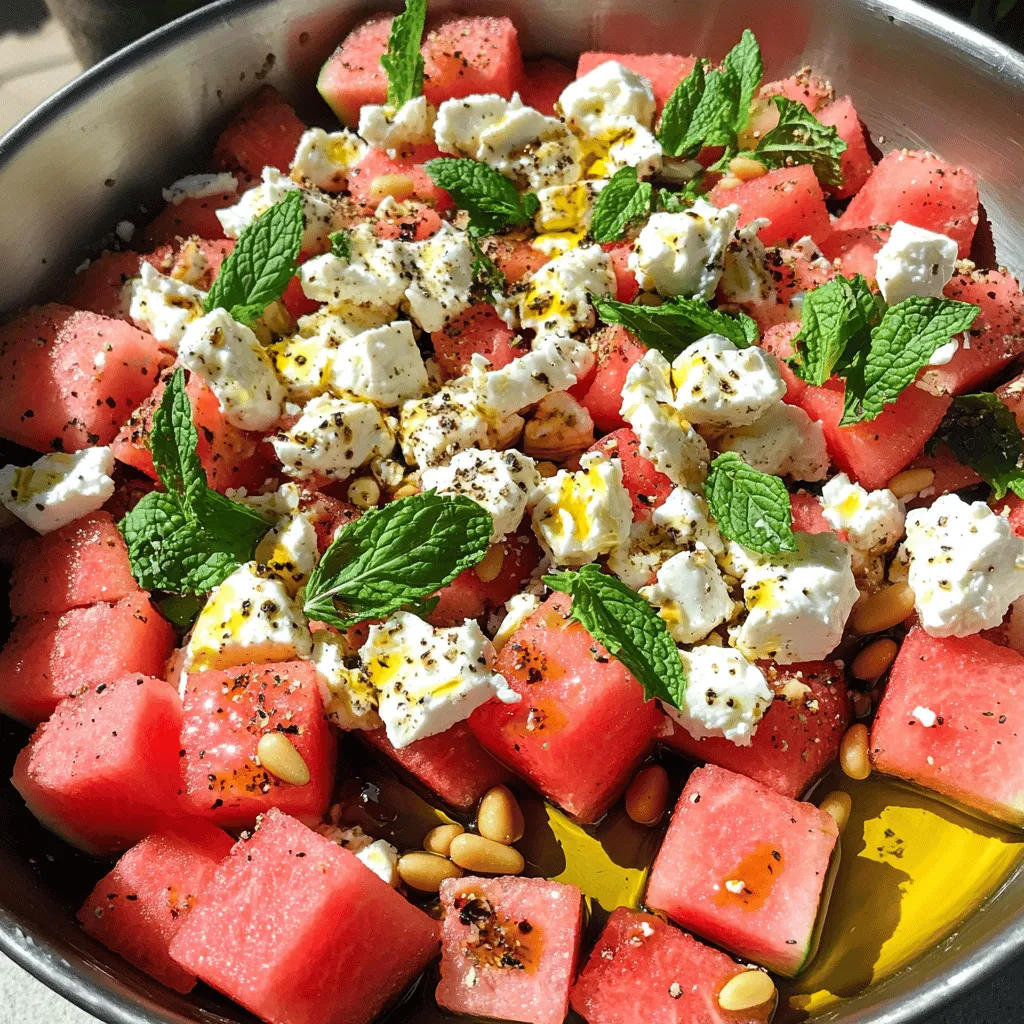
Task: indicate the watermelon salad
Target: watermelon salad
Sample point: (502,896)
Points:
(629,435)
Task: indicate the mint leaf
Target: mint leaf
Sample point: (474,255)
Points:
(751,507)
(264,260)
(677,323)
(621,201)
(403,61)
(744,61)
(679,202)
(629,628)
(486,273)
(180,611)
(901,345)
(677,115)
(800,138)
(341,244)
(393,556)
(491,200)
(717,115)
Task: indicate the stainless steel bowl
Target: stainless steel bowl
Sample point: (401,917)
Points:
(102,145)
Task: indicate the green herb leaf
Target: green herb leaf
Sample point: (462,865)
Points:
(403,61)
(800,138)
(751,507)
(264,260)
(678,202)
(715,120)
(487,273)
(180,611)
(341,244)
(677,115)
(490,199)
(744,61)
(901,345)
(619,203)
(629,628)
(395,555)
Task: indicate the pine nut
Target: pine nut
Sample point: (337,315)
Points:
(547,469)
(883,609)
(489,566)
(406,490)
(439,839)
(746,991)
(426,871)
(839,805)
(364,492)
(278,755)
(874,659)
(499,817)
(398,186)
(477,853)
(647,796)
(862,706)
(747,168)
(853,752)
(729,181)
(911,482)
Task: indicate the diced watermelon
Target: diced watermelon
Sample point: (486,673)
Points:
(856,162)
(663,70)
(1011,394)
(509,947)
(797,739)
(808,516)
(648,488)
(102,772)
(582,726)
(478,329)
(452,764)
(873,452)
(408,221)
(462,56)
(804,87)
(853,250)
(643,969)
(299,931)
(190,217)
(515,258)
(617,350)
(950,475)
(264,133)
(70,379)
(626,287)
(327,514)
(408,164)
(543,82)
(137,909)
(973,752)
(294,300)
(746,868)
(225,715)
(919,188)
(99,288)
(778,340)
(48,657)
(791,199)
(792,274)
(81,564)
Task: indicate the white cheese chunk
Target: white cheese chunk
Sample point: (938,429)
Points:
(914,261)
(289,550)
(925,716)
(412,124)
(382,859)
(556,296)
(439,277)
(325,159)
(559,428)
(782,441)
(518,608)
(685,517)
(382,365)
(748,277)
(161,305)
(199,186)
(690,595)
(638,558)
(873,520)
(431,430)
(563,215)
(350,702)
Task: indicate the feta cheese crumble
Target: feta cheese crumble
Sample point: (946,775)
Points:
(199,186)
(556,296)
(518,608)
(690,595)
(382,365)
(914,261)
(412,124)
(782,441)
(563,215)
(289,550)
(873,520)
(350,702)
(925,716)
(325,159)
(161,305)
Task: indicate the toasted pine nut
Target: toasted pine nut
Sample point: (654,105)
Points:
(547,469)
(439,839)
(648,299)
(853,752)
(729,181)
(278,755)
(398,186)
(406,490)
(861,704)
(883,609)
(647,796)
(426,871)
(746,991)
(364,492)
(499,817)
(911,482)
(489,566)
(839,805)
(874,659)
(477,853)
(747,168)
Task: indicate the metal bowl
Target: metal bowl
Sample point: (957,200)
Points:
(102,145)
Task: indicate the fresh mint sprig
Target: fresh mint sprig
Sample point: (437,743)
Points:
(490,199)
(403,61)
(341,244)
(622,201)
(486,273)
(751,507)
(800,138)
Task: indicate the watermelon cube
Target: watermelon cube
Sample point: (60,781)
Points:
(138,907)
(804,87)
(543,82)
(663,70)
(70,379)
(99,288)
(48,657)
(797,739)
(648,487)
(643,969)
(778,340)
(451,764)
(516,258)
(617,350)
(226,714)
(853,250)
(103,771)
(919,188)
(808,517)
(193,216)
(264,133)
(626,286)
(299,931)
(746,868)
(83,563)
(582,726)
(477,330)
(509,947)
(952,720)
(409,164)
(856,162)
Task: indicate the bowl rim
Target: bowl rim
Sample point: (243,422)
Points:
(44,960)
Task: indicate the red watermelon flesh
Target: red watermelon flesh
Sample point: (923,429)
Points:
(192,216)
(950,475)
(974,752)
(797,739)
(452,764)
(543,82)
(264,133)
(582,726)
(778,340)
(873,452)
(643,969)
(137,909)
(648,488)
(477,329)
(70,379)
(808,516)
(516,259)
(919,188)
(225,715)
(853,250)
(626,287)
(746,868)
(409,221)
(48,657)
(617,350)
(407,163)
(102,772)
(509,947)
(84,563)
(298,931)
(663,70)
(804,87)
(856,162)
